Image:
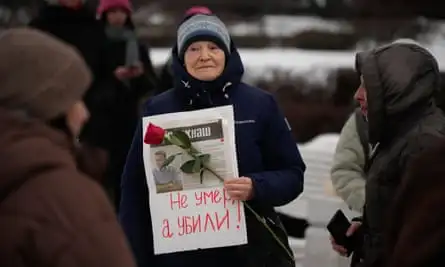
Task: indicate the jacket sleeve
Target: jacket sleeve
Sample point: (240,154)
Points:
(134,212)
(347,173)
(283,176)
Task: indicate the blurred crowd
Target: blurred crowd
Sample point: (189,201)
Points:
(75,83)
(123,74)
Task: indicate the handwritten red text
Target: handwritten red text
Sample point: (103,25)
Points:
(208,222)
(178,200)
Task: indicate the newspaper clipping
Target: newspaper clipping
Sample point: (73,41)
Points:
(192,211)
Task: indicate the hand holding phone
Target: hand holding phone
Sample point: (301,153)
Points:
(343,233)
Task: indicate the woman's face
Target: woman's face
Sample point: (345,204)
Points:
(361,97)
(76,117)
(116,17)
(204,60)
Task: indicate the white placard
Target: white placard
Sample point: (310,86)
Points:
(188,211)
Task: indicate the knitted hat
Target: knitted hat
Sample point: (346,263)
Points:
(106,5)
(202,28)
(40,75)
(194,10)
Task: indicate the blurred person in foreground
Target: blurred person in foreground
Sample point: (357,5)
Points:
(166,77)
(52,212)
(134,79)
(207,71)
(399,83)
(416,234)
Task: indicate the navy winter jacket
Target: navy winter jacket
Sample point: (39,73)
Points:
(266,153)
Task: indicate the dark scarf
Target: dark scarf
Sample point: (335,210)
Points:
(128,35)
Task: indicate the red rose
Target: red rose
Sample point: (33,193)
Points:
(154,135)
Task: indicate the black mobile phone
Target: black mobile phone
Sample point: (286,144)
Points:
(337,227)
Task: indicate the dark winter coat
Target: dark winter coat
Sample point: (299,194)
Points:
(166,76)
(52,214)
(416,233)
(401,81)
(266,152)
(81,29)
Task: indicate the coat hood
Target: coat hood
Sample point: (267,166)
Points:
(401,81)
(199,94)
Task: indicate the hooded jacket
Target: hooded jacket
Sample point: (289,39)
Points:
(401,80)
(266,152)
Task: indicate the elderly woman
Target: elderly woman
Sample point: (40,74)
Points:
(208,71)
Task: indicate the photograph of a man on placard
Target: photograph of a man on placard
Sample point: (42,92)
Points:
(167,179)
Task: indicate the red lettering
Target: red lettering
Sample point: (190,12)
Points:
(227,199)
(199,199)
(185,226)
(208,197)
(180,200)
(197,224)
(196,221)
(166,233)
(208,221)
(239,211)
(224,220)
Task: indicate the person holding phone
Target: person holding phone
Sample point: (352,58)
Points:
(399,84)
(134,79)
